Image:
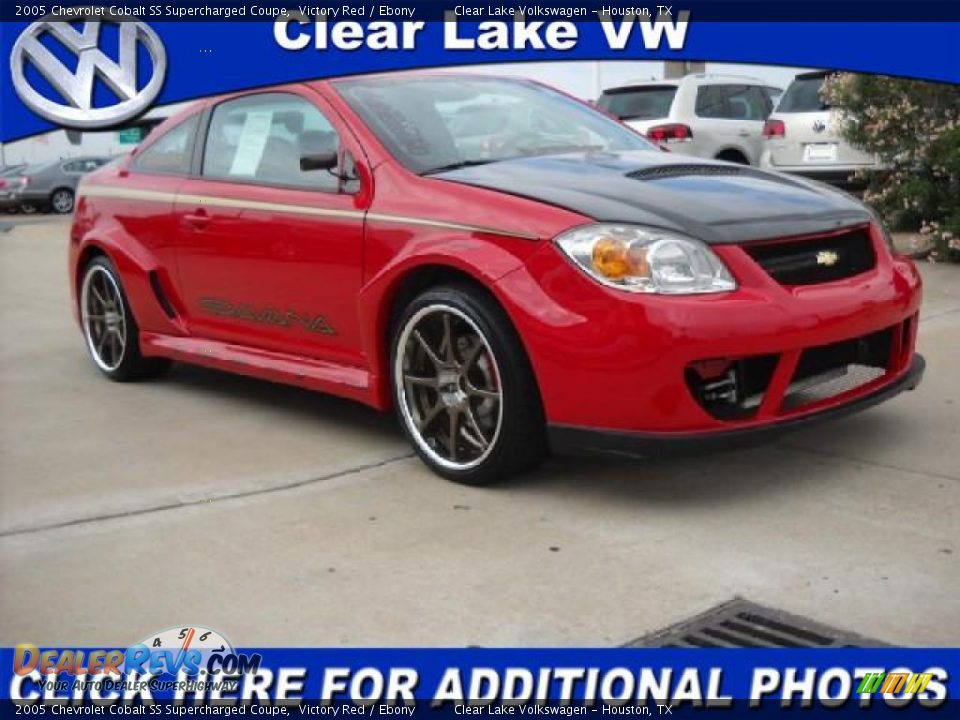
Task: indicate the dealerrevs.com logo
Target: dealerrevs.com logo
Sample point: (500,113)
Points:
(191,659)
(41,63)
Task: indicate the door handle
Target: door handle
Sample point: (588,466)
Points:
(198,219)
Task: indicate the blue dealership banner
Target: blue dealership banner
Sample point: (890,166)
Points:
(442,682)
(204,53)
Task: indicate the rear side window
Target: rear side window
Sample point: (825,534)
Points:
(803,95)
(261,138)
(774,95)
(732,102)
(638,103)
(83,166)
(171,153)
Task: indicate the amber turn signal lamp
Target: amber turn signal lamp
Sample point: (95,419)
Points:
(616,260)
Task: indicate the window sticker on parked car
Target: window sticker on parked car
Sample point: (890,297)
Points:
(253,140)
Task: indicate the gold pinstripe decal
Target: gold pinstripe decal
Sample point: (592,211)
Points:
(212,201)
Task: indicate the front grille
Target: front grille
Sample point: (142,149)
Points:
(816,260)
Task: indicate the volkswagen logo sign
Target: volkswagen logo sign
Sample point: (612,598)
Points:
(76,88)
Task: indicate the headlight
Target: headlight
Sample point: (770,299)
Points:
(646,260)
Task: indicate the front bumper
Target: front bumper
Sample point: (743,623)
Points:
(621,363)
(568,440)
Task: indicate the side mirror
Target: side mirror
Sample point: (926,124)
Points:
(319,161)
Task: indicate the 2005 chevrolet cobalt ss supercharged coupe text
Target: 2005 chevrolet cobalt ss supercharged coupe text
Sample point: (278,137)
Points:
(508,268)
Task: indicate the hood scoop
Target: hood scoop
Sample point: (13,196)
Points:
(663,172)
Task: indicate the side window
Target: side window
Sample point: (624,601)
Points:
(84,166)
(171,153)
(748,103)
(261,138)
(731,102)
(773,96)
(710,101)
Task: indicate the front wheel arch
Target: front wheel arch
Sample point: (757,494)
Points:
(419,280)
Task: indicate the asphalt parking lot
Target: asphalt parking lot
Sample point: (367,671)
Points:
(281,517)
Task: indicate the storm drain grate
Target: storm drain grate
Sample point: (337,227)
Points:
(743,624)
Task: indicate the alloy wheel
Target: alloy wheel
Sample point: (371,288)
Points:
(448,386)
(62,201)
(104,318)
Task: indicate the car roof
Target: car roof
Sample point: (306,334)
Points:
(634,84)
(699,78)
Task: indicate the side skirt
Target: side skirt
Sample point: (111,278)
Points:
(342,380)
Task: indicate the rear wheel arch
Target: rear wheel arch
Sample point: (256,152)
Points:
(731,154)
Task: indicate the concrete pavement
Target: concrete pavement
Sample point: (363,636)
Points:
(282,517)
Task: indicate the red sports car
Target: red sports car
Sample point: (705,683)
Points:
(509,269)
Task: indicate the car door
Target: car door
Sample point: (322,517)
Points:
(269,253)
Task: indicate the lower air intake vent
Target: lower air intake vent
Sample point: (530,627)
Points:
(743,624)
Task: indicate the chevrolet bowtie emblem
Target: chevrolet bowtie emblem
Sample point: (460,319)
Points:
(827,258)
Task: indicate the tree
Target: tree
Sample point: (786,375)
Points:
(913,128)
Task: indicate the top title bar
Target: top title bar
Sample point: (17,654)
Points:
(477,10)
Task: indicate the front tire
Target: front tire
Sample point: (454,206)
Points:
(109,328)
(463,388)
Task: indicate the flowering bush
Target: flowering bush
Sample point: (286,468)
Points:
(914,129)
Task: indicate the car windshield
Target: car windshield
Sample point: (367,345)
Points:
(638,103)
(803,95)
(435,123)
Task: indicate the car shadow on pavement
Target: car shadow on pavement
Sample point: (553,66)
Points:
(309,405)
(696,480)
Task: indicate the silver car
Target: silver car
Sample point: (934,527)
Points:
(709,116)
(50,185)
(802,136)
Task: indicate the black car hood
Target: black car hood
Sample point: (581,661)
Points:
(715,201)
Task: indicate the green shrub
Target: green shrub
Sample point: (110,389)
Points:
(913,127)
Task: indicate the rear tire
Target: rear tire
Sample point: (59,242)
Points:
(61,201)
(463,388)
(109,328)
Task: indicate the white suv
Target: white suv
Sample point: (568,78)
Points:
(802,136)
(709,116)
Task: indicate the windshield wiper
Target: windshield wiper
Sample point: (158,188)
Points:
(457,165)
